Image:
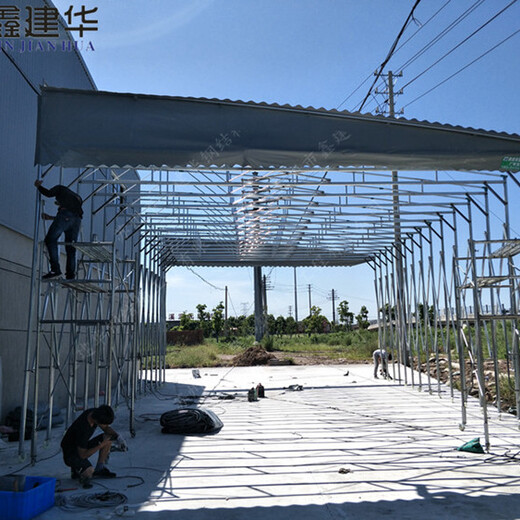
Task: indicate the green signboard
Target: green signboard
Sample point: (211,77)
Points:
(510,163)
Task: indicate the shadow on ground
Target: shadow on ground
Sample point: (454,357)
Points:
(438,506)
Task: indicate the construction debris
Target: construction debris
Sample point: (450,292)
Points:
(253,356)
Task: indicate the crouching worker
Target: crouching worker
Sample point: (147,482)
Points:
(78,446)
(382,357)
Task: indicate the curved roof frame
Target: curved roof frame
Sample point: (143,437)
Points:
(247,218)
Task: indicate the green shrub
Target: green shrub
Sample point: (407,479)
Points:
(268,343)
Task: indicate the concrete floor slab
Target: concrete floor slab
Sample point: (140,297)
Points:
(344,447)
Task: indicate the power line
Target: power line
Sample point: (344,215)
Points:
(463,68)
(422,27)
(232,305)
(396,51)
(354,91)
(441,35)
(204,280)
(461,43)
(390,53)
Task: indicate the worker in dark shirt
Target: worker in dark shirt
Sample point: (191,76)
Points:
(78,446)
(68,221)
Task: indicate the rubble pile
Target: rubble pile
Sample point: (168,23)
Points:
(255,355)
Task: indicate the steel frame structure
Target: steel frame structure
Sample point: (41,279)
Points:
(99,338)
(409,227)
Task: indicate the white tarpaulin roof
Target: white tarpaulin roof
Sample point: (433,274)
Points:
(86,128)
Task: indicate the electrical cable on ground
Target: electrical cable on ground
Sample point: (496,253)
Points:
(31,464)
(92,500)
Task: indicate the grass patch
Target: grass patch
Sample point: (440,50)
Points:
(507,391)
(353,346)
(205,355)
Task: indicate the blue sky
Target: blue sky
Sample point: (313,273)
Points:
(310,53)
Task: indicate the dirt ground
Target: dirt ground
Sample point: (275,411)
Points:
(256,355)
(507,398)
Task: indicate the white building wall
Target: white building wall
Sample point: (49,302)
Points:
(18,116)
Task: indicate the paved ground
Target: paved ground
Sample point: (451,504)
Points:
(345,447)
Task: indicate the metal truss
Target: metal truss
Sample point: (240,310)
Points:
(449,314)
(294,218)
(407,226)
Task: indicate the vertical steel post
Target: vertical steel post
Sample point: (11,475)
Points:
(30,319)
(416,319)
(446,305)
(478,339)
(426,317)
(514,308)
(111,326)
(494,349)
(295,298)
(435,312)
(259,325)
(134,359)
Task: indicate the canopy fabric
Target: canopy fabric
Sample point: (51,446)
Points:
(90,128)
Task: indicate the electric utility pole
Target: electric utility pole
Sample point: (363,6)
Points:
(295,298)
(399,275)
(225,306)
(309,287)
(333,296)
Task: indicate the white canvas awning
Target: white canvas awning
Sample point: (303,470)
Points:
(88,128)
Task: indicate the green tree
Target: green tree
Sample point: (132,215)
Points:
(271,324)
(388,312)
(315,322)
(291,327)
(204,319)
(421,308)
(186,321)
(250,324)
(362,318)
(280,325)
(241,325)
(218,319)
(345,316)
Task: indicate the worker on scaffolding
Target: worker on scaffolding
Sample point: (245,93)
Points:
(381,357)
(68,221)
(77,445)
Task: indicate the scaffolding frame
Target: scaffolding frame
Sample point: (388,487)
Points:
(99,338)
